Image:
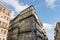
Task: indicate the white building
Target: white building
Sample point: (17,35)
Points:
(4,21)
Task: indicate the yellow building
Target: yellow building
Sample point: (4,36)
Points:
(4,21)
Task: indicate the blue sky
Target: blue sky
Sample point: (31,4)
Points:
(48,11)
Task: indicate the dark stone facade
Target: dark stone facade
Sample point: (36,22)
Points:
(26,26)
(57,31)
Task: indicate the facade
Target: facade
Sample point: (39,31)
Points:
(26,26)
(57,31)
(4,21)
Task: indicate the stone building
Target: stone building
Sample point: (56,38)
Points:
(57,31)
(26,26)
(4,21)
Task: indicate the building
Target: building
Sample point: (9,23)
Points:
(57,31)
(26,26)
(4,21)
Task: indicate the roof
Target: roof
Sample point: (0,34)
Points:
(25,12)
(4,6)
(58,22)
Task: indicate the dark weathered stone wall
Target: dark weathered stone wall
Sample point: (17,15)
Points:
(26,24)
(12,34)
(26,36)
(26,27)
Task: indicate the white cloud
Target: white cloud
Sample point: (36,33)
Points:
(12,15)
(31,0)
(47,26)
(18,7)
(50,3)
(51,36)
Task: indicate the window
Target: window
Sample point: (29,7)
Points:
(6,25)
(0,8)
(3,10)
(5,32)
(8,14)
(7,18)
(1,30)
(3,23)
(0,22)
(1,16)
(4,17)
